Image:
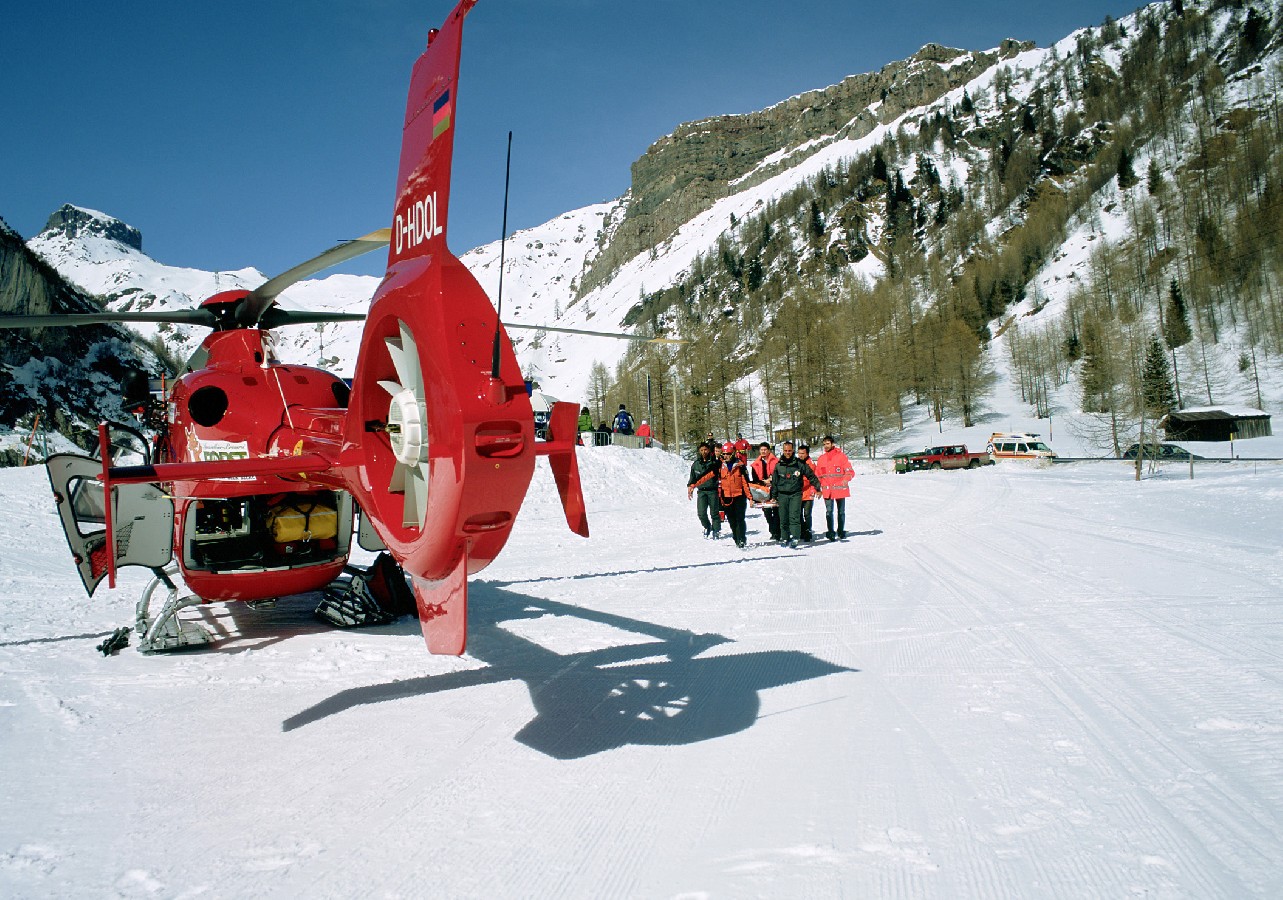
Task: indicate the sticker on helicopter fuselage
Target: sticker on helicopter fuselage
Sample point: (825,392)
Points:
(210,451)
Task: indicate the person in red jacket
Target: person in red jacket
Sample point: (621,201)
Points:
(760,471)
(733,489)
(643,432)
(835,473)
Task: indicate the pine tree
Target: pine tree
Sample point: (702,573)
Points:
(1255,34)
(1073,348)
(1154,177)
(1126,175)
(1176,330)
(1097,376)
(880,171)
(817,221)
(1157,393)
(600,384)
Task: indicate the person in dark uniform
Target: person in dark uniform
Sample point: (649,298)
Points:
(787,482)
(703,482)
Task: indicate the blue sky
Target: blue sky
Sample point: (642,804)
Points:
(240,134)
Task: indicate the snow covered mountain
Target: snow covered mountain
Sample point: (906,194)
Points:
(971,185)
(104,256)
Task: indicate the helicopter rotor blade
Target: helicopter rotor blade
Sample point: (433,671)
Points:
(277,317)
(259,299)
(175,316)
(606,334)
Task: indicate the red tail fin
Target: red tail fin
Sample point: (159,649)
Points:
(427,146)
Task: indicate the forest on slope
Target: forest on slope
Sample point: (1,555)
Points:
(891,281)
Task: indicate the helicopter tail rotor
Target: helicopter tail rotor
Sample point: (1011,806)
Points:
(407,428)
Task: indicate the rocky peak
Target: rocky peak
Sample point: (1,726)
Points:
(74,221)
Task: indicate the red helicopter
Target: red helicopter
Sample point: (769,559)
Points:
(253,484)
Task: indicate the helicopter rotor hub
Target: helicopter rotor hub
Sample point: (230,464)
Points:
(405,428)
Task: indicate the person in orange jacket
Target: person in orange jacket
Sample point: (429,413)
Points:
(733,489)
(760,471)
(809,493)
(835,473)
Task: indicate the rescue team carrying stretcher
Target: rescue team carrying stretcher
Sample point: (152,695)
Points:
(725,483)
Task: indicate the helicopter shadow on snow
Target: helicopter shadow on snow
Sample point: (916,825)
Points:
(660,691)
(240,627)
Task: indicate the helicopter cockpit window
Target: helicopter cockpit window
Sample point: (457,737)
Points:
(128,446)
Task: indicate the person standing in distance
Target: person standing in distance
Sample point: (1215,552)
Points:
(623,421)
(835,474)
(703,480)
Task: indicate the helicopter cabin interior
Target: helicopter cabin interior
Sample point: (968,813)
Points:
(267,531)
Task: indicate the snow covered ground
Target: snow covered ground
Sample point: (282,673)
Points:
(1011,682)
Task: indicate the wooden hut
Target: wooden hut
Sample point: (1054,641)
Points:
(1215,423)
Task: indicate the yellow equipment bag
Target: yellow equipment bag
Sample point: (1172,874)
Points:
(302,520)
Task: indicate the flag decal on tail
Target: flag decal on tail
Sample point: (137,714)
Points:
(441,108)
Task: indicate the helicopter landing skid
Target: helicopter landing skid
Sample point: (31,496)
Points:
(166,632)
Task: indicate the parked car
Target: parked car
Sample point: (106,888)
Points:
(949,456)
(1160,451)
(1021,445)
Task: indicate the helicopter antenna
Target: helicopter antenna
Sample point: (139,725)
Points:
(503,239)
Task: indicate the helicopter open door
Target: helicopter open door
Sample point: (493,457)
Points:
(142,517)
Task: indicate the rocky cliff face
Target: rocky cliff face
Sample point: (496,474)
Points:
(61,361)
(685,172)
(30,286)
(73,221)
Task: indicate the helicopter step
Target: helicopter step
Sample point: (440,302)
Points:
(167,632)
